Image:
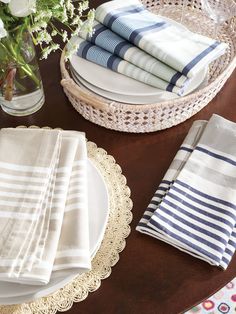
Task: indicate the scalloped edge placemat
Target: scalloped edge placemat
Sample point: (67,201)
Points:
(113,243)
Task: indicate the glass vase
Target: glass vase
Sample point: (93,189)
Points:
(21,89)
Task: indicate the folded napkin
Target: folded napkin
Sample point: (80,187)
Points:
(102,57)
(104,38)
(194,208)
(73,255)
(183,50)
(39,169)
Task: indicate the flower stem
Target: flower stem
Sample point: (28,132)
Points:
(10,84)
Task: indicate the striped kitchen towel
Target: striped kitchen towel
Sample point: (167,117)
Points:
(182,50)
(104,38)
(108,60)
(194,208)
(42,183)
(177,164)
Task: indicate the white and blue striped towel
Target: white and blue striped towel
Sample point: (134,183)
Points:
(105,38)
(183,50)
(194,208)
(93,53)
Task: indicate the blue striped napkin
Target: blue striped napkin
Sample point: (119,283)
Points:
(100,56)
(194,208)
(183,50)
(104,38)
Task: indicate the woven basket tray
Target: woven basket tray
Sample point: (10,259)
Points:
(153,117)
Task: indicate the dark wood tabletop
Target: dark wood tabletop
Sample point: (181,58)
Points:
(151,276)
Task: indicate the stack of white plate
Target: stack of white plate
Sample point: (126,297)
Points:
(115,86)
(13,293)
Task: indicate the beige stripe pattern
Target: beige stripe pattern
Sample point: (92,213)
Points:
(43,205)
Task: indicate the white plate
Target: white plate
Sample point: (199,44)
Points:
(11,293)
(113,82)
(130,99)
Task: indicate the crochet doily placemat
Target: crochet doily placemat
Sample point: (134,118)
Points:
(107,256)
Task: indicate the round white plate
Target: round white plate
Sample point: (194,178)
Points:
(130,99)
(11,293)
(117,83)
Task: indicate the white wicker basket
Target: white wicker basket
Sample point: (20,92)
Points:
(154,117)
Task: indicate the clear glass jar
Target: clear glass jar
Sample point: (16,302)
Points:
(21,89)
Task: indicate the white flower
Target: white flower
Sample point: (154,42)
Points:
(64,36)
(5,1)
(46,51)
(22,8)
(43,37)
(3,32)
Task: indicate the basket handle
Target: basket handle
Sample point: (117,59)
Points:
(77,92)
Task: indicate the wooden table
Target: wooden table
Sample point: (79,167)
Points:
(151,276)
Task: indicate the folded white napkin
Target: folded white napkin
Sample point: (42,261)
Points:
(34,182)
(182,50)
(194,208)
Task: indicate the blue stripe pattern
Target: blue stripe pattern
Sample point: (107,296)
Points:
(137,34)
(122,48)
(190,217)
(97,31)
(115,44)
(98,55)
(198,58)
(111,63)
(215,208)
(187,149)
(114,15)
(207,196)
(129,28)
(173,81)
(186,242)
(186,232)
(82,51)
(158,195)
(109,60)
(197,210)
(186,222)
(109,41)
(217,156)
(134,22)
(165,200)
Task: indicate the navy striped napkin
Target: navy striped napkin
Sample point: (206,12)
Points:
(194,208)
(183,50)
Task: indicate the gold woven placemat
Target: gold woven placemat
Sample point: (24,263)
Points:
(107,256)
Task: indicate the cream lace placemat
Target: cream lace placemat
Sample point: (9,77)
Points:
(108,254)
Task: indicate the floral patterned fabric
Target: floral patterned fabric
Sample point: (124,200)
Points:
(222,302)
